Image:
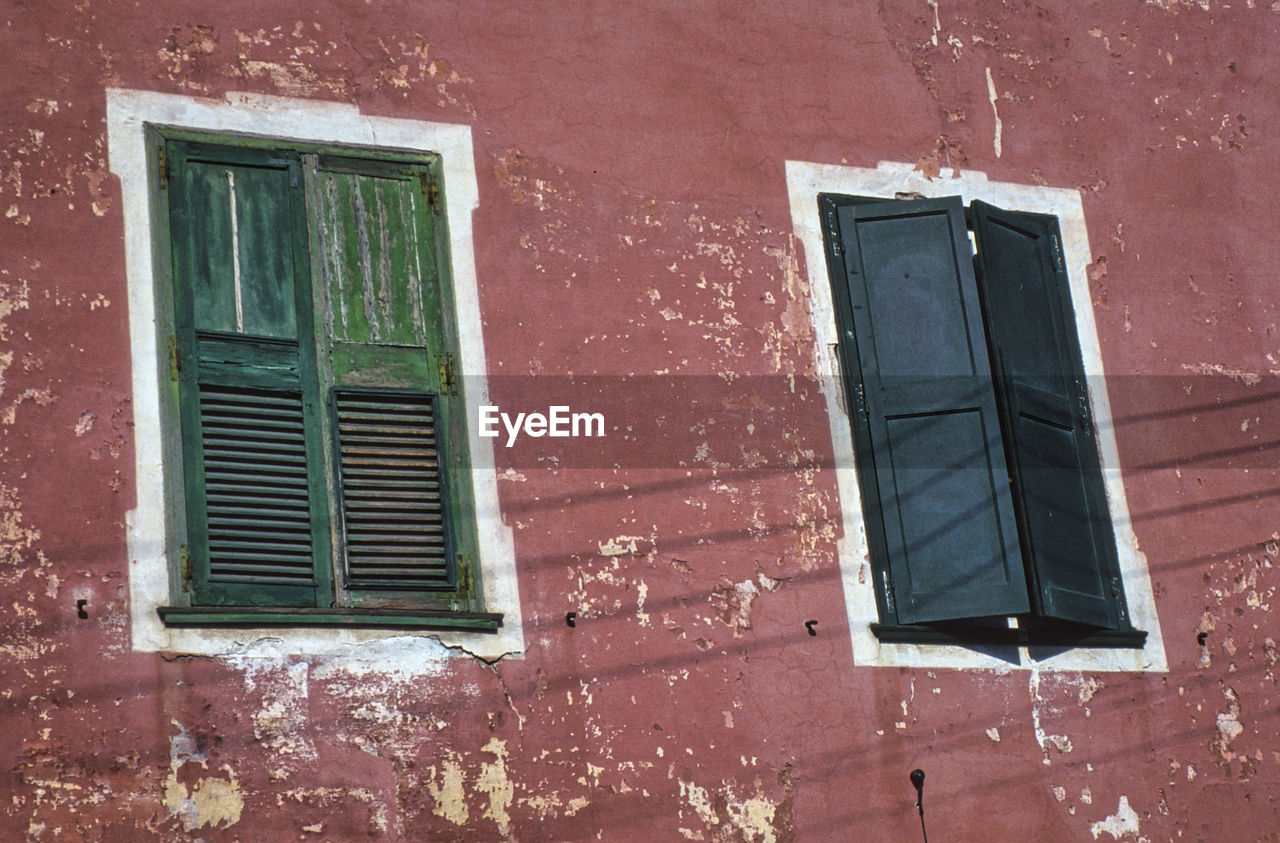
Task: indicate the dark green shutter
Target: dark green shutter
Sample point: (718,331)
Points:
(398,423)
(936,474)
(256,516)
(1058,483)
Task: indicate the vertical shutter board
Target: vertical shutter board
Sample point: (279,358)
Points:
(370,260)
(1057,479)
(266,266)
(235,248)
(256,487)
(394,498)
(939,469)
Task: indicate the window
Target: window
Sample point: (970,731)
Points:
(979,472)
(314,367)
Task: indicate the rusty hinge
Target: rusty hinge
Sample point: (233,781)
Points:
(833,228)
(448,375)
(162,167)
(430,190)
(1082,399)
(464,576)
(175,361)
(860,399)
(184,566)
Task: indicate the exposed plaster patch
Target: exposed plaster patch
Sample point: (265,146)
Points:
(494,782)
(728,816)
(1123,821)
(991,95)
(449,794)
(1046,741)
(1229,728)
(734,602)
(1245,377)
(620,546)
(212,801)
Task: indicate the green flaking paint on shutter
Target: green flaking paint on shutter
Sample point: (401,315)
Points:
(937,469)
(1058,484)
(247,393)
(373,277)
(392,490)
(386,309)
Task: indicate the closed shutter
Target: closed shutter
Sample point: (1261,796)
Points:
(256,515)
(936,476)
(388,360)
(1058,483)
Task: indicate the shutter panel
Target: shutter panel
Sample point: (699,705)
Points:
(256,518)
(399,438)
(392,500)
(937,469)
(257,497)
(1058,483)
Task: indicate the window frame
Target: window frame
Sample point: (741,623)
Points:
(880,643)
(304,163)
(155,527)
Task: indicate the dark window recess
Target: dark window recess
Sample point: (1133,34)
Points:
(976,457)
(320,433)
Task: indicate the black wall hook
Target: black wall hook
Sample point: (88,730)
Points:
(809,625)
(569,619)
(917,779)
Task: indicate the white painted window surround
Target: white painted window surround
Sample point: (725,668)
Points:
(128,114)
(804,182)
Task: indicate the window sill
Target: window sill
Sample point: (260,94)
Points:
(996,637)
(224,616)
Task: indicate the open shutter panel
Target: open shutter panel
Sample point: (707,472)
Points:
(1058,483)
(255,512)
(383,316)
(939,468)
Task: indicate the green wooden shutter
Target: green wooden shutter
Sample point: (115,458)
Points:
(1058,483)
(935,481)
(256,512)
(398,425)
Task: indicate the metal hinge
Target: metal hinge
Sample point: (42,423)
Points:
(162,167)
(464,576)
(860,399)
(1082,398)
(430,190)
(888,595)
(184,567)
(448,375)
(175,361)
(833,228)
(1056,247)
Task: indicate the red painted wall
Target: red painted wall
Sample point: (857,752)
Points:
(634,218)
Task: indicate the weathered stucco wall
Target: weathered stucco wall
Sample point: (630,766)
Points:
(634,219)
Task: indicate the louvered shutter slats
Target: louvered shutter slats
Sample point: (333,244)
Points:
(257,506)
(393,515)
